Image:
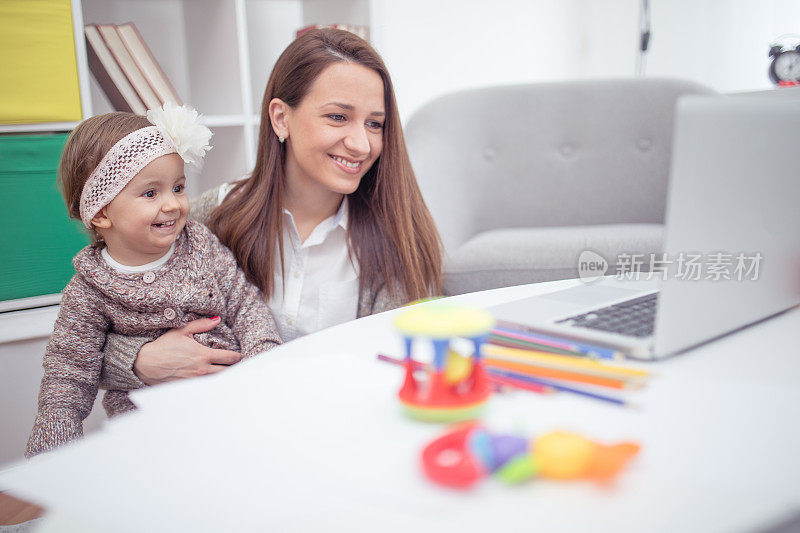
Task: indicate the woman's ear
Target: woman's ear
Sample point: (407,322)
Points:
(101,220)
(278,117)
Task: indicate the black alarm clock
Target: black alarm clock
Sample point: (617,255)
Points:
(785,66)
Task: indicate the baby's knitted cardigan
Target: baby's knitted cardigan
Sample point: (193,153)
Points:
(200,280)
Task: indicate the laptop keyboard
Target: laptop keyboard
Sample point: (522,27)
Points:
(635,318)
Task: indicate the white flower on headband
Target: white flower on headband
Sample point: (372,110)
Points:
(180,124)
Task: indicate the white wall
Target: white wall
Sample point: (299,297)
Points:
(721,43)
(436,46)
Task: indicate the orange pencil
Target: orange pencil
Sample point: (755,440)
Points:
(529,369)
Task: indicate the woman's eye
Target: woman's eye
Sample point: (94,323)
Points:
(150,194)
(337,118)
(178,189)
(375,125)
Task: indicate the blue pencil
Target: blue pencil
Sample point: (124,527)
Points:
(579,347)
(556,386)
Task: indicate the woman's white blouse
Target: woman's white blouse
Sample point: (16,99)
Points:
(320,286)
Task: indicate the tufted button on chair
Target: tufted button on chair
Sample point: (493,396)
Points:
(521,179)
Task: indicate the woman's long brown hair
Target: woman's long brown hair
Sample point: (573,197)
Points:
(391,233)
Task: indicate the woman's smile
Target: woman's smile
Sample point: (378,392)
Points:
(348,165)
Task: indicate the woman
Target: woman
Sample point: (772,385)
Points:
(330,225)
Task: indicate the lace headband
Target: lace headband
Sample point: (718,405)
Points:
(175,130)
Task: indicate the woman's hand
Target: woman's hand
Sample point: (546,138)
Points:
(176,355)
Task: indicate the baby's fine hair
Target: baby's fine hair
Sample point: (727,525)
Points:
(85,148)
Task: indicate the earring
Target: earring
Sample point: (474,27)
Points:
(281,139)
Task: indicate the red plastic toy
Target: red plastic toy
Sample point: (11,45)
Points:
(469,453)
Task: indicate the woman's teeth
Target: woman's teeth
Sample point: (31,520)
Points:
(165,224)
(346,163)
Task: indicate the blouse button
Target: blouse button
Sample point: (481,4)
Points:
(169,313)
(149,277)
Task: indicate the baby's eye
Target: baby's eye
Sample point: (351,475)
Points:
(149,194)
(178,189)
(336,117)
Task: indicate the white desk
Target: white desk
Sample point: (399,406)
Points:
(310,437)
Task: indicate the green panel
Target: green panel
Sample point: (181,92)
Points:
(38,240)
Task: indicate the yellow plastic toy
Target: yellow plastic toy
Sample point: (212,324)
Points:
(455,387)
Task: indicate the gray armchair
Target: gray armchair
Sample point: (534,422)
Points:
(521,179)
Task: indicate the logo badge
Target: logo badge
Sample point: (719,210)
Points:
(591,266)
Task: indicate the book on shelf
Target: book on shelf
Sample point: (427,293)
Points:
(361,31)
(126,69)
(147,63)
(128,65)
(109,75)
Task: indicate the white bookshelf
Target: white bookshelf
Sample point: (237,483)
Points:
(37,127)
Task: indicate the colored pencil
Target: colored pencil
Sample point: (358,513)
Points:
(557,342)
(511,343)
(557,386)
(518,337)
(553,342)
(541,371)
(565,362)
(518,384)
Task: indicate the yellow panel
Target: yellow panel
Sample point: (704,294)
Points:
(38,65)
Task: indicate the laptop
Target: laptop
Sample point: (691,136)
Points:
(731,254)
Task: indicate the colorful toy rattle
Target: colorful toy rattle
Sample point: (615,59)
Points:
(455,388)
(463,456)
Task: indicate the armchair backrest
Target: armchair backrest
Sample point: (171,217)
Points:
(546,154)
